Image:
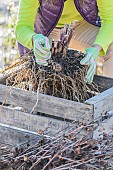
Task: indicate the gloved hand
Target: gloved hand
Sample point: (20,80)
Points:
(90,60)
(41,47)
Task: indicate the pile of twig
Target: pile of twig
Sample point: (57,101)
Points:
(63,77)
(4,155)
(63,152)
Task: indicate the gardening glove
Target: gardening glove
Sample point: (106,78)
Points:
(90,60)
(41,48)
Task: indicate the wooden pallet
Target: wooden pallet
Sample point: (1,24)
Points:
(49,113)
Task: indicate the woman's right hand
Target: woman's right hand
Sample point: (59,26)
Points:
(41,47)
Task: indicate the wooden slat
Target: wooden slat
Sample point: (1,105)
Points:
(106,126)
(103,82)
(30,122)
(47,104)
(13,136)
(102,102)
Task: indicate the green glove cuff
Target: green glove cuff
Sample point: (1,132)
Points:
(94,51)
(37,37)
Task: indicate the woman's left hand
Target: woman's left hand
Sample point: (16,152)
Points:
(90,60)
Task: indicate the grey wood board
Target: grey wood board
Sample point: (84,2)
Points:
(103,82)
(102,102)
(30,122)
(46,104)
(104,127)
(13,136)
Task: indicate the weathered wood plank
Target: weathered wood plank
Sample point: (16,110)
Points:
(102,102)
(30,122)
(104,127)
(13,136)
(103,82)
(46,104)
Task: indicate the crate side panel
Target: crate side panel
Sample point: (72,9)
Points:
(13,136)
(102,102)
(104,127)
(30,122)
(103,82)
(46,104)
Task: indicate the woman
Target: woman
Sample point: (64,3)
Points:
(39,19)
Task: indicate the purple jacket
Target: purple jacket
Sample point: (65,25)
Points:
(48,16)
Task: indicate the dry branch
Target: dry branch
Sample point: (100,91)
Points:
(62,152)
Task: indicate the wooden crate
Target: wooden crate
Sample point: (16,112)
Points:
(50,113)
